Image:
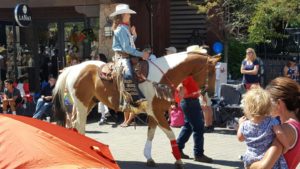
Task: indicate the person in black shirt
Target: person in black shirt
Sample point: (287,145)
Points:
(44,103)
(11,96)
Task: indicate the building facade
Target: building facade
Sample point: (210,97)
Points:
(62,27)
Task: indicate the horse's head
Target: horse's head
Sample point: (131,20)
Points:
(205,74)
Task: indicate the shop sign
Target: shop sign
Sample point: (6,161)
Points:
(22,15)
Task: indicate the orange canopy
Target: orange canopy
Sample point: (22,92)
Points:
(31,143)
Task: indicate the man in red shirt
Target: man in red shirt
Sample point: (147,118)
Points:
(193,120)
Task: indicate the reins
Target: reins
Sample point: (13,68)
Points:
(164,74)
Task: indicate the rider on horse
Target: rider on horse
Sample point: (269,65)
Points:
(124,48)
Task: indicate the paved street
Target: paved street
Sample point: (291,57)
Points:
(127,146)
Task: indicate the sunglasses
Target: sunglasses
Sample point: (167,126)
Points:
(249,52)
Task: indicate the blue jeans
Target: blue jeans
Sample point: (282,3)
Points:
(193,124)
(41,108)
(127,68)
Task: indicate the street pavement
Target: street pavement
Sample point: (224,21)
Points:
(127,144)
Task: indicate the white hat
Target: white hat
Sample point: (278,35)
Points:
(196,49)
(121,9)
(171,49)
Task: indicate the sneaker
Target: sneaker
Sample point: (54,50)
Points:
(203,159)
(184,156)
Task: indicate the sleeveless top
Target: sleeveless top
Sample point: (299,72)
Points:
(250,78)
(293,71)
(292,157)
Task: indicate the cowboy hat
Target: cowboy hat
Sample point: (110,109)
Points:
(121,9)
(196,49)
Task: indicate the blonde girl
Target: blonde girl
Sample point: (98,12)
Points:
(257,128)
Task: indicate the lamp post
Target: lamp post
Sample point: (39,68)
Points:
(108,28)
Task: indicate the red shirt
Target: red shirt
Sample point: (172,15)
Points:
(291,157)
(191,89)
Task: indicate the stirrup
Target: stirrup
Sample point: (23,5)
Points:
(142,104)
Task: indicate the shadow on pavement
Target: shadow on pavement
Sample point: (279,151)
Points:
(237,164)
(95,132)
(142,165)
(225,131)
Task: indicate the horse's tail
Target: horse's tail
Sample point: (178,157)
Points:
(59,106)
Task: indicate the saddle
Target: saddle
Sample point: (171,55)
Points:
(140,67)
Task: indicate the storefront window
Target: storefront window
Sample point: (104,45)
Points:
(73,40)
(19,56)
(48,49)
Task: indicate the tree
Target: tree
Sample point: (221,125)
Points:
(251,20)
(231,17)
(271,18)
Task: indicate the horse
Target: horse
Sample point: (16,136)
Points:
(86,88)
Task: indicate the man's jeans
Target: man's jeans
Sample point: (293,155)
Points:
(41,108)
(193,123)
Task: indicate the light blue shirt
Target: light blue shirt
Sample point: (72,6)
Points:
(123,41)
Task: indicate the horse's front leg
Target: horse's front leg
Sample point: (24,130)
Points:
(152,124)
(164,125)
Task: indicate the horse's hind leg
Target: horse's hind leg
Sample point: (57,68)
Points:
(81,116)
(152,124)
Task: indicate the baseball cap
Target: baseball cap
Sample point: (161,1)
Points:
(171,49)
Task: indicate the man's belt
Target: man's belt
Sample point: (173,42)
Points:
(122,54)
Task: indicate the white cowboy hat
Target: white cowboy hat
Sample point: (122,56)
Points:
(121,9)
(171,49)
(196,49)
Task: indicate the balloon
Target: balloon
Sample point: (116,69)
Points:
(218,47)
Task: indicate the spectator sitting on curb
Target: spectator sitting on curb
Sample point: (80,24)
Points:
(11,97)
(44,103)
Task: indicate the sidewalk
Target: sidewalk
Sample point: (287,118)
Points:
(127,146)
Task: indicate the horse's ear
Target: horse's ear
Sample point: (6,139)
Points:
(214,59)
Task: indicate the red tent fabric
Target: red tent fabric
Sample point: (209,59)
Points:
(30,143)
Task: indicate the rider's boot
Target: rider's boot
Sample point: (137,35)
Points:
(132,88)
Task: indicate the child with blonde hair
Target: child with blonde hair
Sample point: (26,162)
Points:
(258,129)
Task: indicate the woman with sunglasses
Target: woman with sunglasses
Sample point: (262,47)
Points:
(249,69)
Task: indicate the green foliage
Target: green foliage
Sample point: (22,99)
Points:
(254,21)
(236,54)
(271,18)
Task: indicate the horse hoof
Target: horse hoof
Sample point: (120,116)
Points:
(179,166)
(151,163)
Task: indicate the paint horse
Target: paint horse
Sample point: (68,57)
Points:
(86,88)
